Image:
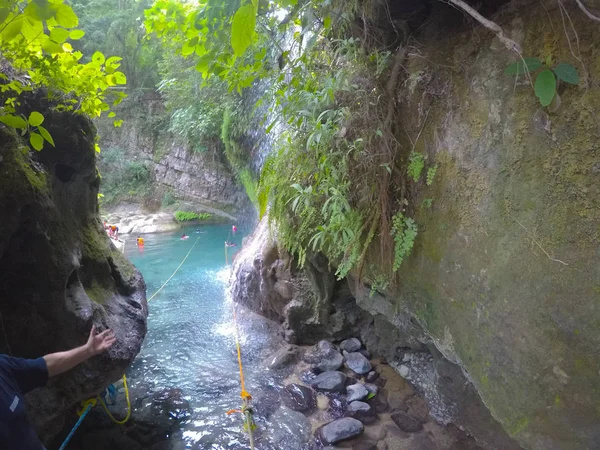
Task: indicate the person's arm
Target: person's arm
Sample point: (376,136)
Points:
(58,363)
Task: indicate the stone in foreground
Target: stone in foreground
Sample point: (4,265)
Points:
(356,392)
(351,345)
(340,430)
(330,382)
(358,363)
(297,397)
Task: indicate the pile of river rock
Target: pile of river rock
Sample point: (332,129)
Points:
(353,401)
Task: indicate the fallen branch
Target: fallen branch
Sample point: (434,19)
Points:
(490,25)
(587,11)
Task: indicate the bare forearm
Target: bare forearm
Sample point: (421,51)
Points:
(60,362)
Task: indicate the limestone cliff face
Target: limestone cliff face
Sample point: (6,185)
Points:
(59,273)
(502,288)
(199,178)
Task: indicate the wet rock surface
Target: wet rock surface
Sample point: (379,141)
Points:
(330,382)
(340,430)
(357,363)
(298,397)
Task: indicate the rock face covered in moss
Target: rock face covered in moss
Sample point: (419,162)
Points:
(503,285)
(59,273)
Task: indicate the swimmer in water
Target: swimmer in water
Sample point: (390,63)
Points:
(184,237)
(234,228)
(140,241)
(229,244)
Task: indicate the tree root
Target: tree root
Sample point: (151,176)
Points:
(587,11)
(490,25)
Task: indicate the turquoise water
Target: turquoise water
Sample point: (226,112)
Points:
(190,341)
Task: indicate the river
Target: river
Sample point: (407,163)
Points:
(190,343)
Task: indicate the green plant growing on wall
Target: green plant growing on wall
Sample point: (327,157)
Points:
(545,80)
(431,175)
(404,231)
(416,164)
(186,216)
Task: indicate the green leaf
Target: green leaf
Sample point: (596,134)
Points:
(545,87)
(36,141)
(98,58)
(97,148)
(112,114)
(46,135)
(13,121)
(52,47)
(12,29)
(242,28)
(567,73)
(76,34)
(520,67)
(35,119)
(118,123)
(120,78)
(59,35)
(65,16)
(327,22)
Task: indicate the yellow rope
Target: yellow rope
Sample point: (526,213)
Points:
(124,421)
(246,397)
(176,270)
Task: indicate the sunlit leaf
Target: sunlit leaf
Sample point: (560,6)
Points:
(98,58)
(65,16)
(76,34)
(242,28)
(118,123)
(545,87)
(13,121)
(46,135)
(35,119)
(59,35)
(112,114)
(36,141)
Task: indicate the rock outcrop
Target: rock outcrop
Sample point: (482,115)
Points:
(59,273)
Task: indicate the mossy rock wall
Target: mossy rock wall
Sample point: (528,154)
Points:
(505,274)
(59,272)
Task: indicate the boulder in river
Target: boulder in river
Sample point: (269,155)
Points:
(289,429)
(298,397)
(339,430)
(331,381)
(358,363)
(357,391)
(351,345)
(283,357)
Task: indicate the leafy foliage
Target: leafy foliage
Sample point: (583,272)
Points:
(186,216)
(123,180)
(545,83)
(34,39)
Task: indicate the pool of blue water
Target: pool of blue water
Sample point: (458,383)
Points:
(190,342)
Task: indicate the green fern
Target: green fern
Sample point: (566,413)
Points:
(431,175)
(416,165)
(404,231)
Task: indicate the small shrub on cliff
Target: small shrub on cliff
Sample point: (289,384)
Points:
(186,216)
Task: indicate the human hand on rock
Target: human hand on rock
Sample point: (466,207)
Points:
(99,343)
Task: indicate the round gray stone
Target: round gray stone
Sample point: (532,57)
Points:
(351,345)
(358,363)
(340,430)
(330,382)
(357,392)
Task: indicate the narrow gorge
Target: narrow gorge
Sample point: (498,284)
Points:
(310,224)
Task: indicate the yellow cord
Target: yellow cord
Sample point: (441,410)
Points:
(124,421)
(176,270)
